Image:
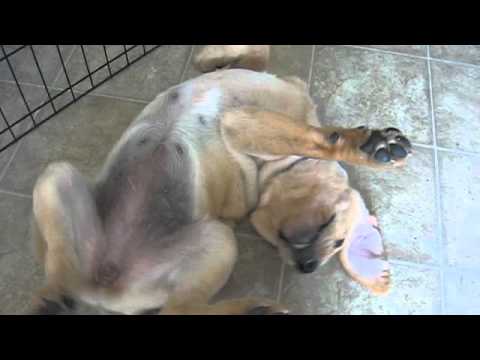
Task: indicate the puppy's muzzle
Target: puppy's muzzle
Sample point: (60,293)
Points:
(308,266)
(306,260)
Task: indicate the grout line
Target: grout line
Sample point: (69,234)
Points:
(458,152)
(312,61)
(428,57)
(438,197)
(280,282)
(7,165)
(187,64)
(26,83)
(422,146)
(454,62)
(386,51)
(15,194)
(442,149)
(80,92)
(440,268)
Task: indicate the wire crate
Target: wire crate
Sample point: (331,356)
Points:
(41,82)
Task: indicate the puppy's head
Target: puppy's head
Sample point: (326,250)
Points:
(307,213)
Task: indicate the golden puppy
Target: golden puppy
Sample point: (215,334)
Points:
(152,232)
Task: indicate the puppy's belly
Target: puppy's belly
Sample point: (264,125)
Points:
(146,196)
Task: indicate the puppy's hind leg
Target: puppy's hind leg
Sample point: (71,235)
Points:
(67,231)
(213,57)
(204,273)
(244,306)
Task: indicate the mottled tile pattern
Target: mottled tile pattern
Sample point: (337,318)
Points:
(462,292)
(83,134)
(354,87)
(291,60)
(404,201)
(256,272)
(460,188)
(14,222)
(456,92)
(19,271)
(416,291)
(21,277)
(419,50)
(5,157)
(351,87)
(464,53)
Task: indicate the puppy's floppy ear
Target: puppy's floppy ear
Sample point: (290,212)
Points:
(363,256)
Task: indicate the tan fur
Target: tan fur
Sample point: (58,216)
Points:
(254,57)
(281,127)
(305,197)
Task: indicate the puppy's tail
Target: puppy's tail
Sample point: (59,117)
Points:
(214,57)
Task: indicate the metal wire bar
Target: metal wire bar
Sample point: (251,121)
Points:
(126,53)
(86,65)
(65,71)
(106,58)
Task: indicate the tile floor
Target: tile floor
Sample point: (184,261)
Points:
(429,211)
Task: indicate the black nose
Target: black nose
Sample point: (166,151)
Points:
(308,266)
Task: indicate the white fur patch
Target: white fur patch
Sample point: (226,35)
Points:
(209,104)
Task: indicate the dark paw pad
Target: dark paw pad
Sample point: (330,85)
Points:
(265,310)
(386,146)
(392,130)
(48,307)
(371,145)
(68,302)
(383,156)
(398,152)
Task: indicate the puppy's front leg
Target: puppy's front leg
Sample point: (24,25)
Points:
(265,134)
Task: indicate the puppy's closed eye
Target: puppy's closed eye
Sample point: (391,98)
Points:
(324,226)
(339,243)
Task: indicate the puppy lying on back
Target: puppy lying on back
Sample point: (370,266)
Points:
(152,233)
